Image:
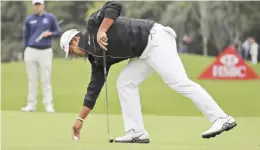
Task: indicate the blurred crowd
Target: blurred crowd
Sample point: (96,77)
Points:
(249,49)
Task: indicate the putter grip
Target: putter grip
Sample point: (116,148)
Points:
(105,62)
(40,36)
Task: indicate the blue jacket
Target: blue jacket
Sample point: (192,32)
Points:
(35,25)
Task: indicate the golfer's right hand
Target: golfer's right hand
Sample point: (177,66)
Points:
(47,33)
(76,128)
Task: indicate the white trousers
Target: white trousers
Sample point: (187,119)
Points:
(39,60)
(160,55)
(254,58)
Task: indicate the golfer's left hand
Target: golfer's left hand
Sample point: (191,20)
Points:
(76,129)
(102,39)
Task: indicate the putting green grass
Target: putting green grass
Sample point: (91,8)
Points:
(70,80)
(43,131)
(171,119)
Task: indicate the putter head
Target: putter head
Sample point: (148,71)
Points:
(111,140)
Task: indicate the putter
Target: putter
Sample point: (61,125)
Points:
(41,35)
(111,139)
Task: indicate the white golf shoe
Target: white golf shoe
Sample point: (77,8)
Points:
(28,108)
(133,137)
(49,108)
(219,126)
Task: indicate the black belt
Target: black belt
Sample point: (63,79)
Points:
(40,47)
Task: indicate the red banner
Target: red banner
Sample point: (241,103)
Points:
(229,65)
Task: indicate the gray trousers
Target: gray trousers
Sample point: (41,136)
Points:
(39,60)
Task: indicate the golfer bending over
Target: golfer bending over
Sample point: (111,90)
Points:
(149,46)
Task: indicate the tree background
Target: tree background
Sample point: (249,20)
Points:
(211,25)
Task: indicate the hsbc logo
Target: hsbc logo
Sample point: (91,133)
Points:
(229,67)
(229,60)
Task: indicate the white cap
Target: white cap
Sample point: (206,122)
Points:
(66,38)
(37,1)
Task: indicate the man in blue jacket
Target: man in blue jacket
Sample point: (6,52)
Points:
(38,31)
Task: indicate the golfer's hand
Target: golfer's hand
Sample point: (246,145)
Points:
(76,128)
(47,33)
(102,39)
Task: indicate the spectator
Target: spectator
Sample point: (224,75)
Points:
(38,30)
(185,44)
(237,46)
(246,48)
(253,50)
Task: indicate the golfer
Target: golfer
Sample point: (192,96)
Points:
(38,54)
(149,46)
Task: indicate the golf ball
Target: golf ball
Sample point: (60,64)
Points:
(75,138)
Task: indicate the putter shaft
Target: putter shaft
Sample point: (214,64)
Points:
(107,108)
